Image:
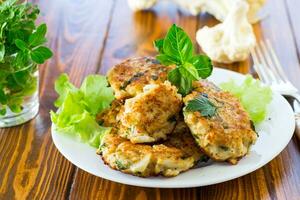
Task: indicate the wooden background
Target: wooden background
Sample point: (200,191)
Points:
(90,37)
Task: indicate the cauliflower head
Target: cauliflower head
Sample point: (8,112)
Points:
(192,6)
(231,40)
(254,7)
(221,8)
(137,5)
(218,8)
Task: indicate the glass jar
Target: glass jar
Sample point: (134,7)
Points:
(29,107)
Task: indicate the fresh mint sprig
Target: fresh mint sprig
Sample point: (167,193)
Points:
(177,49)
(21,50)
(32,48)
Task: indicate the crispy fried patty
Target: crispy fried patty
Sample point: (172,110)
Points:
(150,115)
(169,158)
(228,135)
(128,78)
(108,117)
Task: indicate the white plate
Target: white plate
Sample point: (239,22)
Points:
(274,135)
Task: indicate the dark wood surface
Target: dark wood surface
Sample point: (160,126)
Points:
(90,37)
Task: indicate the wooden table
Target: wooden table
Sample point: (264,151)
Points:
(90,37)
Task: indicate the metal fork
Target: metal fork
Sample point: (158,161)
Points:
(270,71)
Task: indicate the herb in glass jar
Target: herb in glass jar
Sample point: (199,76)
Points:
(21,50)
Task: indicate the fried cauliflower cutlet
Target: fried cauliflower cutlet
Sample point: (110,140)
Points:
(108,117)
(128,78)
(226,136)
(150,115)
(169,158)
(182,139)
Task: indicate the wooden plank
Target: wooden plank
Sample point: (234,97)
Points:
(142,28)
(131,34)
(31,167)
(273,181)
(134,34)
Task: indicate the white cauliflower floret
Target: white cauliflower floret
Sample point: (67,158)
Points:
(254,7)
(218,8)
(221,8)
(231,40)
(137,5)
(193,6)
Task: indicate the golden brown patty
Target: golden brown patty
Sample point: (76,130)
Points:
(150,115)
(228,135)
(182,139)
(108,117)
(129,77)
(176,155)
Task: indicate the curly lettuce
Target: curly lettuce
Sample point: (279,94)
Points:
(78,107)
(253,95)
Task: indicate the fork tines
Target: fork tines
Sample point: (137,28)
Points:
(266,63)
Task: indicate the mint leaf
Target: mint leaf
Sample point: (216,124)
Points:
(185,86)
(2,51)
(158,44)
(174,77)
(203,65)
(38,37)
(177,45)
(189,70)
(187,76)
(21,60)
(3,111)
(21,44)
(3,98)
(203,105)
(177,49)
(16,108)
(41,54)
(183,83)
(164,59)
(20,52)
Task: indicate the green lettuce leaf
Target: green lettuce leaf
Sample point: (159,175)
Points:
(62,87)
(253,95)
(97,95)
(78,108)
